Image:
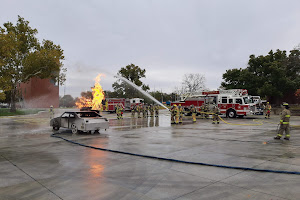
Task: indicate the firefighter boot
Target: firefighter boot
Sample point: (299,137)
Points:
(277,137)
(286,138)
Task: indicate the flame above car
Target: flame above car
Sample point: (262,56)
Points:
(98,95)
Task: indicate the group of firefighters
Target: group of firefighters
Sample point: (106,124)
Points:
(145,109)
(177,113)
(139,109)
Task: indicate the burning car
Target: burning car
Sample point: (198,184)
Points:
(86,121)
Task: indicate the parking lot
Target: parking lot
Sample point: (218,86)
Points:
(34,165)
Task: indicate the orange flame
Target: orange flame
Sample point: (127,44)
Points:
(98,96)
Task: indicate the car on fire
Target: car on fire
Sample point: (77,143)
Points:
(85,121)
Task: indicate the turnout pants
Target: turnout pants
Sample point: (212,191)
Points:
(284,128)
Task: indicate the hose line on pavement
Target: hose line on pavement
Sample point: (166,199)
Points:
(175,160)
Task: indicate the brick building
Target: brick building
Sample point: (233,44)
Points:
(39,93)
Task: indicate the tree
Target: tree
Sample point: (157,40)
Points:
(22,57)
(66,101)
(272,76)
(191,83)
(2,96)
(132,73)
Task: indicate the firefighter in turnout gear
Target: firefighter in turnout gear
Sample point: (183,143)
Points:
(193,110)
(173,114)
(216,115)
(181,112)
(138,110)
(51,111)
(202,108)
(284,123)
(268,110)
(176,112)
(119,111)
(145,111)
(206,109)
(156,108)
(151,110)
(133,108)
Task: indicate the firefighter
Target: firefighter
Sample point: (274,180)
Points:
(133,108)
(202,111)
(193,110)
(216,114)
(138,110)
(181,112)
(51,112)
(151,110)
(119,111)
(176,112)
(156,108)
(268,110)
(284,123)
(206,109)
(145,112)
(173,114)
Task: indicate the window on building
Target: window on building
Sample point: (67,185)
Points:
(230,100)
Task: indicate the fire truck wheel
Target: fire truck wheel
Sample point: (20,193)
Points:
(74,129)
(231,113)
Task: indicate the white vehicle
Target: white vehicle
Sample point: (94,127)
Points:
(86,121)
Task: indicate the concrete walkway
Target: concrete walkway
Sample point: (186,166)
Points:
(35,166)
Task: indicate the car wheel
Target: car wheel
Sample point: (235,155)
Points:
(231,113)
(74,129)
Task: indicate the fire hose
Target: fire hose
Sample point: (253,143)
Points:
(175,160)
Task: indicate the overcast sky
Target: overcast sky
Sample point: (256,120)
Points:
(168,38)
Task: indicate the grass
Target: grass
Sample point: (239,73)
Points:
(6,112)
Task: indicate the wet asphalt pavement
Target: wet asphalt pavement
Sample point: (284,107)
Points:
(35,166)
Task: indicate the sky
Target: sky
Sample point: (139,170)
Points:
(168,38)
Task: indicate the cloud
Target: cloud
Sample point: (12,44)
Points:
(168,38)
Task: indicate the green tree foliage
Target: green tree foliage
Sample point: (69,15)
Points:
(133,73)
(67,101)
(22,57)
(2,96)
(272,76)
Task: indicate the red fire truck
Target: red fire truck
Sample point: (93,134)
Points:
(127,103)
(232,103)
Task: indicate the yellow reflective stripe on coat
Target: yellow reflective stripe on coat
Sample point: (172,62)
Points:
(281,120)
(288,116)
(285,122)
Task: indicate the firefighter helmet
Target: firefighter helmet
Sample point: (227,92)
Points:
(175,105)
(285,104)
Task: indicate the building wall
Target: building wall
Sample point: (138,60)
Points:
(40,93)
